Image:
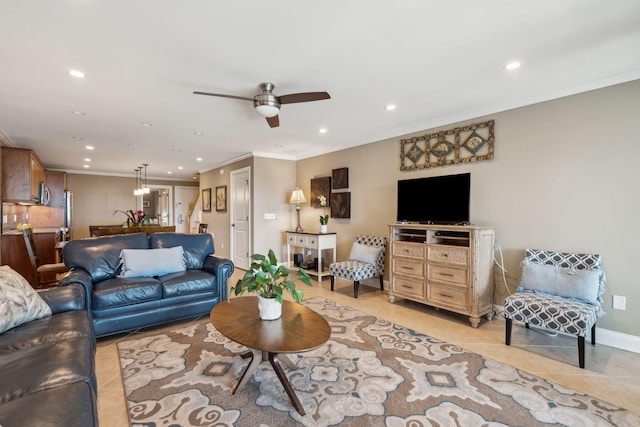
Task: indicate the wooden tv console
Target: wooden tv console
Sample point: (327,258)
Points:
(444,266)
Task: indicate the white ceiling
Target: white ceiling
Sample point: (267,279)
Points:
(439,62)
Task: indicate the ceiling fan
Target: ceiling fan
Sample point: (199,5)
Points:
(268,105)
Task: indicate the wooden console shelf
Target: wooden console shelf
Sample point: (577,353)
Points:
(445,266)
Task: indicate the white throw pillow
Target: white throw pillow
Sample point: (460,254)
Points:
(365,253)
(584,285)
(19,302)
(151,262)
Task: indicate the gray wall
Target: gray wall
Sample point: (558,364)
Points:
(564,178)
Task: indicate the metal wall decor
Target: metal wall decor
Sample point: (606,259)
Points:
(459,145)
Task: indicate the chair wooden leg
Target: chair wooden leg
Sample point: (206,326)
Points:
(332,283)
(381,283)
(526,325)
(581,351)
(593,334)
(356,285)
(507,336)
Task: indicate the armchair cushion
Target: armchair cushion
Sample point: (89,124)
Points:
(151,262)
(584,285)
(365,253)
(19,302)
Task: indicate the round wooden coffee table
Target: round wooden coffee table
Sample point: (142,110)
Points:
(298,329)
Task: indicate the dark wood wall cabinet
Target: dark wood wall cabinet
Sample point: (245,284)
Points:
(22,173)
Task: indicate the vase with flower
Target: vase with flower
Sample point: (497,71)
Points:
(324,218)
(134,218)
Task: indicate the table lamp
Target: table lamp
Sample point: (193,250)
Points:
(297,197)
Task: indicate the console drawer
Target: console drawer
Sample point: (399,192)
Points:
(457,298)
(448,254)
(408,266)
(443,273)
(406,286)
(403,249)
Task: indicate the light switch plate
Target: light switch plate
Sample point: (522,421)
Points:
(270,216)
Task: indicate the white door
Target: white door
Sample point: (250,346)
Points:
(241,217)
(184,197)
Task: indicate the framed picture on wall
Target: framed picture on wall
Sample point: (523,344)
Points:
(206,200)
(341,205)
(221,198)
(320,186)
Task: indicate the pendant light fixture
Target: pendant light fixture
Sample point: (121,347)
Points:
(145,189)
(138,191)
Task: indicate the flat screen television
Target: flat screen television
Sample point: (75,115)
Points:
(435,200)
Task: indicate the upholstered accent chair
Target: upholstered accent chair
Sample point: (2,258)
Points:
(559,291)
(366,260)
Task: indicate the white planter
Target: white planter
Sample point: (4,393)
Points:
(324,228)
(269,308)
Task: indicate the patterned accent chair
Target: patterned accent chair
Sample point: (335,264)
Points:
(559,291)
(366,260)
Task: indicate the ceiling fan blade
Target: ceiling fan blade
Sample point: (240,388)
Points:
(274,121)
(224,96)
(303,97)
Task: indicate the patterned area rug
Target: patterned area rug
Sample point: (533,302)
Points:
(371,372)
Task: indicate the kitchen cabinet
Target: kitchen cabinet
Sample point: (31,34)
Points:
(22,173)
(56,183)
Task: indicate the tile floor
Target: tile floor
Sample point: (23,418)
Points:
(611,374)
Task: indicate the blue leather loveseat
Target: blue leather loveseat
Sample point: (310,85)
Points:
(134,280)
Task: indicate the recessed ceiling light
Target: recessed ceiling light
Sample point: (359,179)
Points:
(131,144)
(514,65)
(175,150)
(322,130)
(169,172)
(86,166)
(390,107)
(194,177)
(180,168)
(198,133)
(76,73)
(87,159)
(198,159)
(77,113)
(77,138)
(89,147)
(146,124)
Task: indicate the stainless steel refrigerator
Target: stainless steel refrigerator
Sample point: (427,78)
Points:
(67,231)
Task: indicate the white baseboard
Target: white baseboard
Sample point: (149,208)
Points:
(618,340)
(605,336)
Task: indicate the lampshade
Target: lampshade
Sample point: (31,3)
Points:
(297,196)
(267,110)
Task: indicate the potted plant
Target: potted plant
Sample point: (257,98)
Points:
(134,218)
(324,218)
(269,281)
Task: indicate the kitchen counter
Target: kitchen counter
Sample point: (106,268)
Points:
(42,230)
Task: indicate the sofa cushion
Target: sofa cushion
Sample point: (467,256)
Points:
(583,285)
(47,330)
(365,253)
(151,262)
(196,246)
(186,283)
(100,256)
(46,366)
(19,302)
(72,405)
(119,292)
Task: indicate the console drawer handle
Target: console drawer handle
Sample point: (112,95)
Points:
(446,274)
(446,296)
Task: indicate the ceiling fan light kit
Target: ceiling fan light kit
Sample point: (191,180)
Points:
(268,105)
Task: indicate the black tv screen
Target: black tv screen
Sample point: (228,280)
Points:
(435,200)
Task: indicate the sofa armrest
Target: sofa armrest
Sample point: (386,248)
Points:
(67,298)
(79,277)
(222,269)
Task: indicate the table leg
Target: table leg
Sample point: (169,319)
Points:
(256,359)
(273,359)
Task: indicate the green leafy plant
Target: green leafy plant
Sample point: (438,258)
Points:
(134,218)
(269,280)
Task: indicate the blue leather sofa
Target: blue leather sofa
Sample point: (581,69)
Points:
(47,366)
(118,304)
